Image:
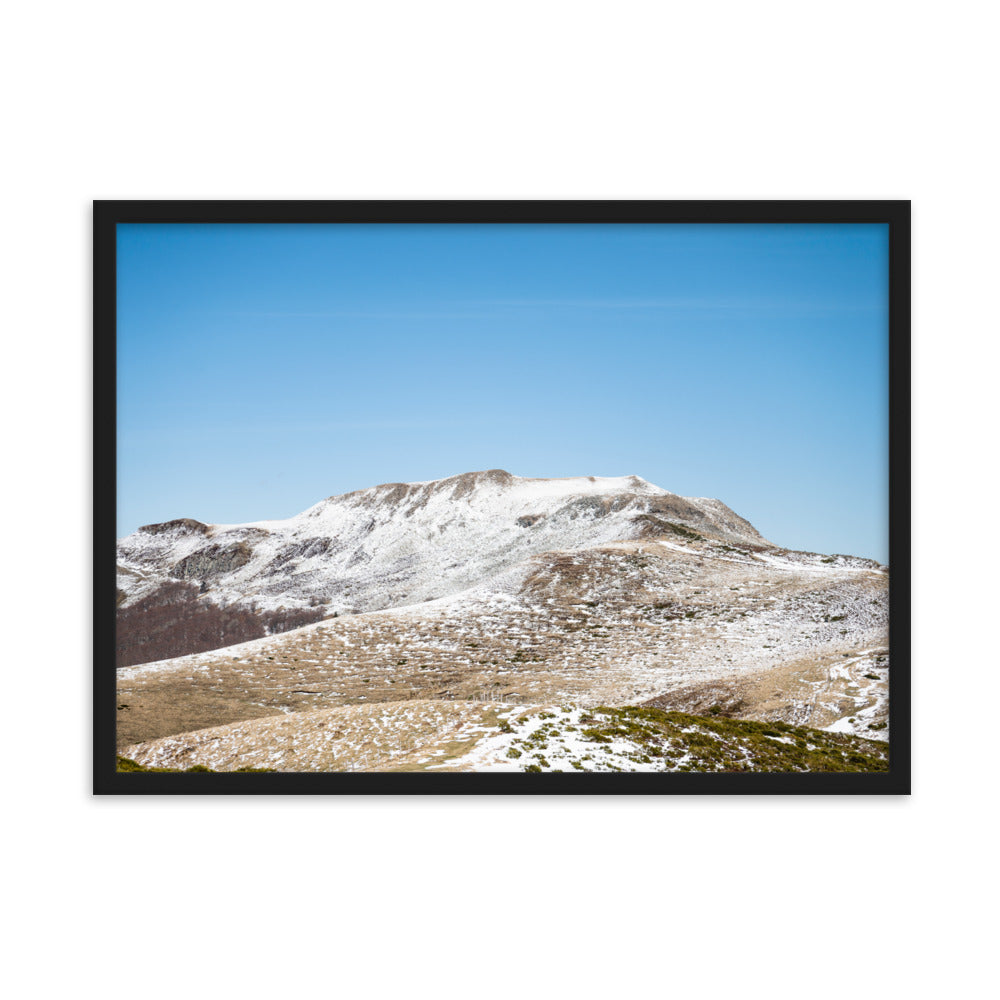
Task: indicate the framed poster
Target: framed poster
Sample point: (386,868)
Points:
(501,497)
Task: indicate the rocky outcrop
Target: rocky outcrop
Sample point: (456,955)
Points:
(180,526)
(305,549)
(214,561)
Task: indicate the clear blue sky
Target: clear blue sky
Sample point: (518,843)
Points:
(262,368)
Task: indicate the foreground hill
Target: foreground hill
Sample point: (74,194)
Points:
(462,736)
(185,586)
(688,610)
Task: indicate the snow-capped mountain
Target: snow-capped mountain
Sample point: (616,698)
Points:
(406,609)
(389,546)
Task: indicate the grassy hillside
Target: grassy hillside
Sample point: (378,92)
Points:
(125,764)
(637,738)
(459,736)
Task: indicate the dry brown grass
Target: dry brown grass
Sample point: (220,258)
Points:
(811,692)
(616,625)
(410,736)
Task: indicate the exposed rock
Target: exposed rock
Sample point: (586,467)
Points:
(305,549)
(212,561)
(181,525)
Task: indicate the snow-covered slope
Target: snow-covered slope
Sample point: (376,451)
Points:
(405,543)
(487,588)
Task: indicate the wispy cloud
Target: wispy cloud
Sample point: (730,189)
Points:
(670,303)
(360,314)
(476,308)
(706,303)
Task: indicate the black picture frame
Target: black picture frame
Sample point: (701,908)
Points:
(108,214)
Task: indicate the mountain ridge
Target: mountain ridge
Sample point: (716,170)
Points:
(391,545)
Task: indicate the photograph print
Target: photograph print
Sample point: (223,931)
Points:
(526,497)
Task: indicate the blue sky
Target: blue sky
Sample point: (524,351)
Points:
(262,368)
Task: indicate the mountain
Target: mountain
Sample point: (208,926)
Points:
(185,586)
(447,611)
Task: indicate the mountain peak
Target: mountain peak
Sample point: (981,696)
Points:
(466,482)
(400,544)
